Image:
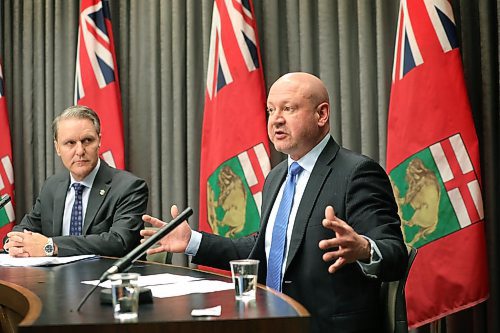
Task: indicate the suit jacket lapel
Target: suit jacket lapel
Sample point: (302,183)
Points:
(60,193)
(99,191)
(274,186)
(321,170)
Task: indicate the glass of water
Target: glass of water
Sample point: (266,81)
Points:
(125,295)
(244,274)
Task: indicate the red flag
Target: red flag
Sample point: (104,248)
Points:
(235,148)
(7,218)
(433,161)
(96,80)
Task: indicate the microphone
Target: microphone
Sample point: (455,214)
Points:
(124,263)
(4,201)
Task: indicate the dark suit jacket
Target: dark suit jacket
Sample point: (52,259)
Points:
(360,192)
(112,223)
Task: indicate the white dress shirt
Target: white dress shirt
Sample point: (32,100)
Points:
(70,197)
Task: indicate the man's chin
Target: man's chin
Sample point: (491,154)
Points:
(80,172)
(282,147)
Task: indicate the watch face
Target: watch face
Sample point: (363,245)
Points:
(49,249)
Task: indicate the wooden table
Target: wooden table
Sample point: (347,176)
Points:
(51,295)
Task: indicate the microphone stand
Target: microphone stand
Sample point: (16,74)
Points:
(124,263)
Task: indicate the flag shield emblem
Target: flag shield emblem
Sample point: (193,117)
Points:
(437,192)
(230,202)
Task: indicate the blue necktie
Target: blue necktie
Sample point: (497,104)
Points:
(75,226)
(278,242)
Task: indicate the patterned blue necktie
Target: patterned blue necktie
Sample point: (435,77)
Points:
(75,226)
(278,242)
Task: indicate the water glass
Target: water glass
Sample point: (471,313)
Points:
(244,274)
(125,295)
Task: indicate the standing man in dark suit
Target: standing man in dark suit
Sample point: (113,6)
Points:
(343,233)
(92,209)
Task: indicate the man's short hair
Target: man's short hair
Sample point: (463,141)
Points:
(79,112)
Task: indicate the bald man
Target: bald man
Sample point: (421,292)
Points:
(343,234)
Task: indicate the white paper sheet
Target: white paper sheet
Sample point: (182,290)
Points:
(150,280)
(210,312)
(189,287)
(170,285)
(7,260)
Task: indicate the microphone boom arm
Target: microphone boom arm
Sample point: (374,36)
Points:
(122,264)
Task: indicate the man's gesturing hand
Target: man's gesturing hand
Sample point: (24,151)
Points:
(347,246)
(176,241)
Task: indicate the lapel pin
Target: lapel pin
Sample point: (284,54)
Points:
(101,192)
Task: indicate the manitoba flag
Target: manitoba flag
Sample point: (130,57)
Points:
(7,219)
(235,149)
(433,162)
(96,79)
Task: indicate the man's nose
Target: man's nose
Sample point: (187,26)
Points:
(80,149)
(276,118)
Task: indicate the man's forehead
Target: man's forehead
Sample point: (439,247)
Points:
(75,123)
(76,127)
(288,94)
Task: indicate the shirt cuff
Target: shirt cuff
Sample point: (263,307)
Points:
(371,268)
(194,243)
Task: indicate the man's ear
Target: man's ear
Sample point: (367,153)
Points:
(56,146)
(323,111)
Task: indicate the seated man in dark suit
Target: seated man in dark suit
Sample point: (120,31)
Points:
(92,209)
(337,234)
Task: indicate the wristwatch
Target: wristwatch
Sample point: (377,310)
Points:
(49,248)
